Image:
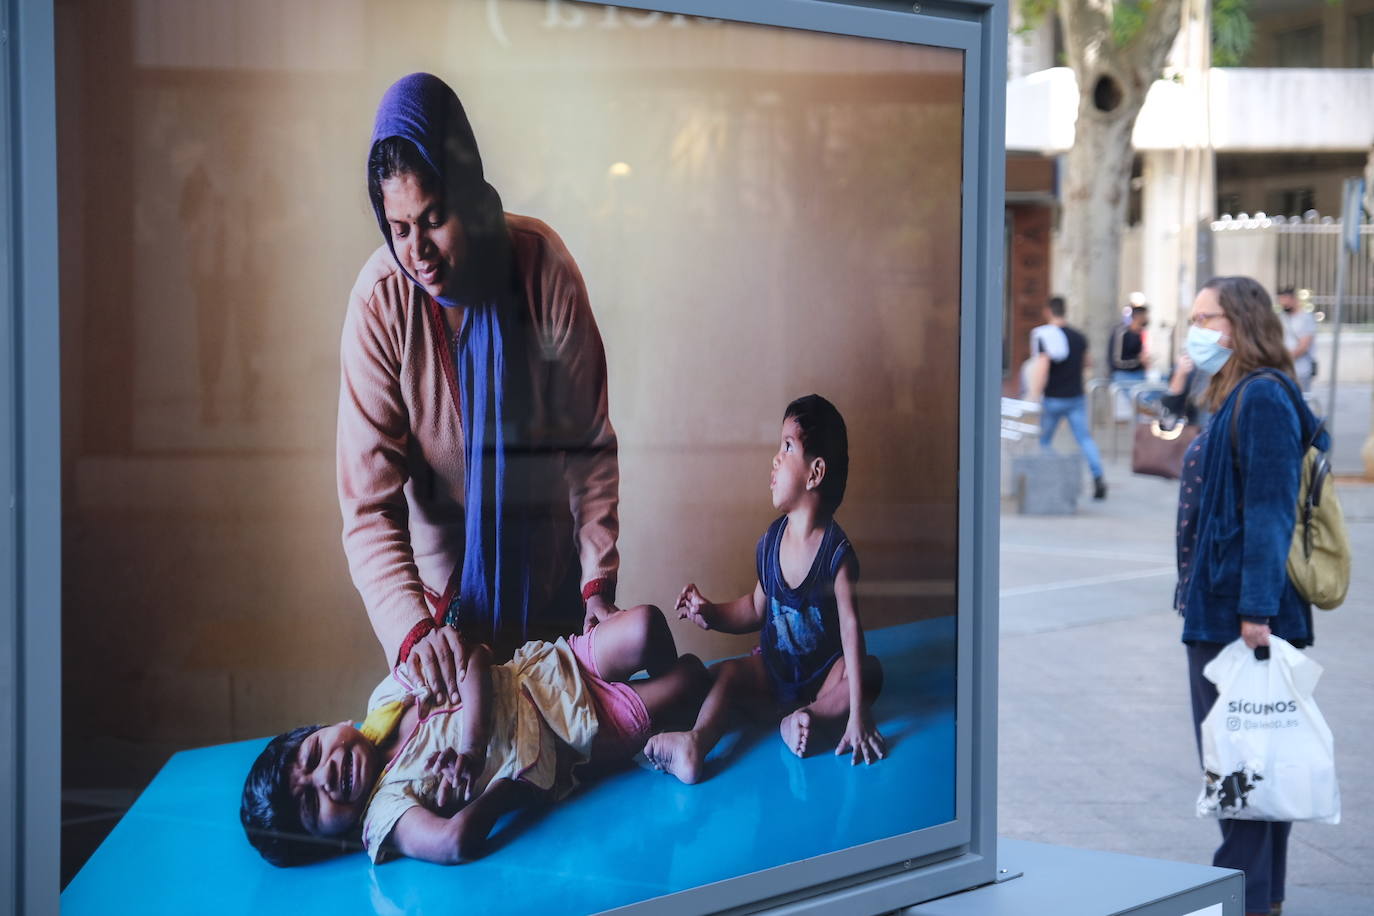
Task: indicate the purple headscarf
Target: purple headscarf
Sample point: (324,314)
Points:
(422,109)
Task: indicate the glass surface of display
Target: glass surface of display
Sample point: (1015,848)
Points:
(555,380)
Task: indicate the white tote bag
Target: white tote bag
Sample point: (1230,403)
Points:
(1266,750)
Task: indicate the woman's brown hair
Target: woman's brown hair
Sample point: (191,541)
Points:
(1256,335)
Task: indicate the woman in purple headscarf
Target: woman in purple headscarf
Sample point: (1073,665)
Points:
(477,465)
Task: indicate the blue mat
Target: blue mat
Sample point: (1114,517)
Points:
(631,836)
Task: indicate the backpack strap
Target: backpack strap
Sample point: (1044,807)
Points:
(1299,407)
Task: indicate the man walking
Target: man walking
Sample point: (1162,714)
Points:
(1060,355)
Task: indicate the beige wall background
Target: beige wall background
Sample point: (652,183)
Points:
(758,215)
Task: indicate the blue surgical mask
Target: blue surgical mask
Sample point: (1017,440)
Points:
(1205,349)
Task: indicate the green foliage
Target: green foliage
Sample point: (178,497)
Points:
(1128,17)
(1034,12)
(1232,32)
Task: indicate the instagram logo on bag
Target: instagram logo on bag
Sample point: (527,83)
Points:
(1233,723)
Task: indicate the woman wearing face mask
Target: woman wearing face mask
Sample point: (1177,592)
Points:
(477,465)
(1235,524)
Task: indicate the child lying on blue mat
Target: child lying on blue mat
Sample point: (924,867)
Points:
(430,783)
(810,667)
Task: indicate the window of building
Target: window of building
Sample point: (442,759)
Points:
(1362,40)
(1300,47)
(1293,201)
(1135,204)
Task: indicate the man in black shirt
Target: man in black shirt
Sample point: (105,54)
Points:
(1061,354)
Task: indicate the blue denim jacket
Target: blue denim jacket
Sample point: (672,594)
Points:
(1245,520)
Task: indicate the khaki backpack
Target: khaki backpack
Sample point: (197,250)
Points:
(1319,556)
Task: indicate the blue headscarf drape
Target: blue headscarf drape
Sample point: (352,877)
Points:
(492,601)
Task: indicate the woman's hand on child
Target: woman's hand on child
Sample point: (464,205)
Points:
(862,739)
(598,610)
(458,774)
(439,661)
(692,604)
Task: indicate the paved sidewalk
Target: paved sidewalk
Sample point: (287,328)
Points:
(1353,417)
(1096,745)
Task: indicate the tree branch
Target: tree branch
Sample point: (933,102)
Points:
(1147,53)
(1087,28)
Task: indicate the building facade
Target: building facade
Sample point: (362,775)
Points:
(1276,135)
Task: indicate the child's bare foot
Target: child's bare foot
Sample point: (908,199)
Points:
(678,753)
(796,731)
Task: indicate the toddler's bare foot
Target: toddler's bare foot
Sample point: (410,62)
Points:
(676,752)
(796,731)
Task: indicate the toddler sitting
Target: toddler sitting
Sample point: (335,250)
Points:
(811,669)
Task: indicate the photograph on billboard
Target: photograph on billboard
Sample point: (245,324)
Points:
(519,434)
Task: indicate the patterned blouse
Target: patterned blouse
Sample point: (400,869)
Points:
(1185,533)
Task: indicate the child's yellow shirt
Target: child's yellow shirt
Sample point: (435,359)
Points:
(538,700)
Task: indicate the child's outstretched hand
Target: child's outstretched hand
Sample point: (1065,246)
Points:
(862,738)
(691,605)
(458,775)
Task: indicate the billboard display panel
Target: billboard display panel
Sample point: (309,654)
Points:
(669,306)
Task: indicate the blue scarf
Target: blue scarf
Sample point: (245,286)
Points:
(493,598)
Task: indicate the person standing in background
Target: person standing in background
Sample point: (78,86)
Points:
(1185,398)
(1299,336)
(1060,355)
(1127,357)
(1126,350)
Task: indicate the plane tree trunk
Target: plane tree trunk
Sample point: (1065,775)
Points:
(1113,80)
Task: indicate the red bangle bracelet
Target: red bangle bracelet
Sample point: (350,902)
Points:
(605,587)
(418,632)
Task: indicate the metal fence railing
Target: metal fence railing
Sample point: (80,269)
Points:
(1305,251)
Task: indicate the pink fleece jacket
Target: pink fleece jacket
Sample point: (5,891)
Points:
(400,438)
